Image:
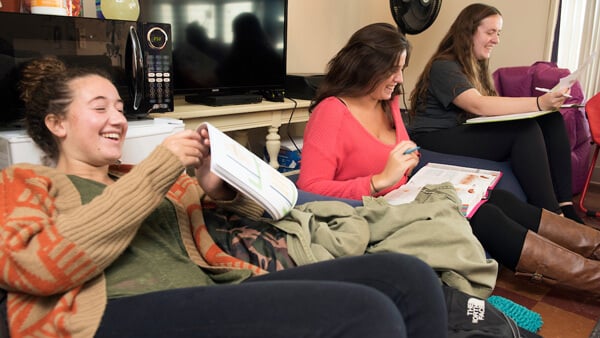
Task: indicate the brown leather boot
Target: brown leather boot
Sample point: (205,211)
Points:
(567,233)
(547,262)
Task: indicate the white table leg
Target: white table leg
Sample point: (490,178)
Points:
(273,144)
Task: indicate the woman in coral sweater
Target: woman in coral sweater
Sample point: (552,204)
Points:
(93,249)
(354,146)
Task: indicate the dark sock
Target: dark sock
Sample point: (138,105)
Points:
(569,212)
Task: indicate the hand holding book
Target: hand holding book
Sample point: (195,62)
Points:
(249,174)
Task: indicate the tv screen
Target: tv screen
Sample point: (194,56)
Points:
(224,47)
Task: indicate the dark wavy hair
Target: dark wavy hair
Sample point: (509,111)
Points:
(457,45)
(45,89)
(370,56)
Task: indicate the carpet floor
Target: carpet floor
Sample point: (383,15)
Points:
(565,313)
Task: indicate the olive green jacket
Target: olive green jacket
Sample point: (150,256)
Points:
(431,228)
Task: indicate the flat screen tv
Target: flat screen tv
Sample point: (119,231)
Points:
(224,47)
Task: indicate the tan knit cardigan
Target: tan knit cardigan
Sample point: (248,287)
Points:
(53,250)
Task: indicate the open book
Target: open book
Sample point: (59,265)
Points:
(508,117)
(249,174)
(472,184)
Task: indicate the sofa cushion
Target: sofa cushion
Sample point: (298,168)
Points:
(305,196)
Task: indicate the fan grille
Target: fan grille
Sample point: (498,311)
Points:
(414,16)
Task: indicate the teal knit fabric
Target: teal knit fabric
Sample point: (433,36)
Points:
(525,318)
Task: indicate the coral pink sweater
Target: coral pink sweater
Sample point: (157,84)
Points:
(339,156)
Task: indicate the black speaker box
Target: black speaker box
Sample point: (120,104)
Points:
(224,100)
(302,86)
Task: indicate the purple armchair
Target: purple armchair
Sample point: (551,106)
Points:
(521,81)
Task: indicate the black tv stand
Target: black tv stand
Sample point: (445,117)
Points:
(224,100)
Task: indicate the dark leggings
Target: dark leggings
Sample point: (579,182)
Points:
(538,150)
(3,321)
(501,224)
(379,295)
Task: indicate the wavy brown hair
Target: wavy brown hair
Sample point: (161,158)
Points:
(45,89)
(457,45)
(370,56)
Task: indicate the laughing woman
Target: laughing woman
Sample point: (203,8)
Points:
(455,85)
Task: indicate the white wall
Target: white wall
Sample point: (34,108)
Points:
(317,29)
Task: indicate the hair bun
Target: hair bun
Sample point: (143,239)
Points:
(37,71)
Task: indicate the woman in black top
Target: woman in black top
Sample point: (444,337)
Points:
(455,85)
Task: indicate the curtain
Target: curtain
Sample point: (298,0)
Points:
(579,38)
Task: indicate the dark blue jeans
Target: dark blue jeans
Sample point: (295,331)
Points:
(381,295)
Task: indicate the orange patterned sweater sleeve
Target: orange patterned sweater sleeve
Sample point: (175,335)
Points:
(200,246)
(52,247)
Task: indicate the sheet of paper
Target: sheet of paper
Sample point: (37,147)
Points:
(569,80)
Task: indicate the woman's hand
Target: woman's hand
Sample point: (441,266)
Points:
(398,165)
(186,146)
(212,184)
(474,102)
(553,100)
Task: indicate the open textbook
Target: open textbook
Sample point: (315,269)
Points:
(472,184)
(508,117)
(249,174)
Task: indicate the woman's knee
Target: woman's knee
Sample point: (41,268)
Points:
(392,263)
(401,275)
(384,318)
(528,133)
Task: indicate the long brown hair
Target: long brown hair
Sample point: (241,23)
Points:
(457,45)
(370,56)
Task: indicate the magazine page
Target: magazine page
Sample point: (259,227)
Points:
(472,184)
(434,173)
(248,173)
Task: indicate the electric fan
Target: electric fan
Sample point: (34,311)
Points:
(414,16)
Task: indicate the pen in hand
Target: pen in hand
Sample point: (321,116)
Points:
(411,150)
(546,90)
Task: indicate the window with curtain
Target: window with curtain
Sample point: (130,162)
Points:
(579,39)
